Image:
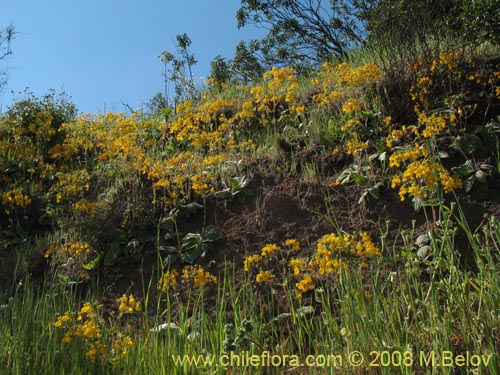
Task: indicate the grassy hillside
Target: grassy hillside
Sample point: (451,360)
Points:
(340,222)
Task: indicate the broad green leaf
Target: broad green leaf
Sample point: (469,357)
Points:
(168,249)
(169,260)
(192,255)
(112,254)
(360,180)
(93,263)
(469,183)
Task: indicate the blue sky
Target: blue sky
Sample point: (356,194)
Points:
(103,52)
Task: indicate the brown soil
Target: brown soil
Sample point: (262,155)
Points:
(286,208)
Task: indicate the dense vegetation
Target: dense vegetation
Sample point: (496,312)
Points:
(115,230)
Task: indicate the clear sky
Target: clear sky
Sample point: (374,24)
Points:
(103,52)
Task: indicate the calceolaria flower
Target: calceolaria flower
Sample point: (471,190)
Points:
(169,279)
(61,320)
(264,277)
(269,249)
(305,285)
(128,304)
(199,276)
(293,244)
(249,260)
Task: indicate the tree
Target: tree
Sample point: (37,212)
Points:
(246,64)
(407,23)
(220,72)
(479,21)
(178,68)
(409,26)
(6,36)
(303,32)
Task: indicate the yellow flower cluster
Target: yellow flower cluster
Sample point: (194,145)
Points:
(192,273)
(411,153)
(293,244)
(264,277)
(421,91)
(351,105)
(88,326)
(269,249)
(42,128)
(169,279)
(421,174)
(71,259)
(421,178)
(61,320)
(202,184)
(446,73)
(397,135)
(355,146)
(290,244)
(434,124)
(497,87)
(206,126)
(282,81)
(13,198)
(64,161)
(198,275)
(344,82)
(128,304)
(328,258)
(449,59)
(267,101)
(342,89)
(69,249)
(331,248)
(304,285)
(62,151)
(85,206)
(113,138)
(330,244)
(351,123)
(298,265)
(84,325)
(213,160)
(250,260)
(122,344)
(70,184)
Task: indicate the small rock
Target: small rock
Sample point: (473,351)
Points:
(163,327)
(424,251)
(193,336)
(422,240)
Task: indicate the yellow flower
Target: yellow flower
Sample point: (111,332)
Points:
(168,279)
(305,285)
(87,308)
(264,277)
(352,105)
(297,265)
(61,320)
(199,276)
(249,260)
(128,304)
(91,353)
(293,244)
(15,198)
(269,249)
(67,337)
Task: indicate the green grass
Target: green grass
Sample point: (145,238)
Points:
(401,309)
(405,312)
